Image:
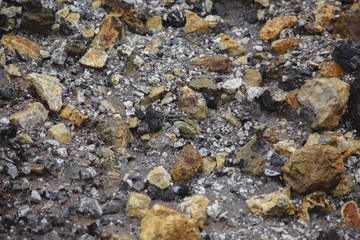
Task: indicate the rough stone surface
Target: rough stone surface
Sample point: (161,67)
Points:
(218,64)
(318,200)
(273,27)
(38,22)
(137,205)
(90,207)
(111,30)
(229,46)
(154,23)
(329,69)
(346,186)
(159,177)
(22,45)
(61,133)
(94,58)
(194,23)
(350,213)
(324,13)
(35,114)
(192,103)
(347,54)
(7,91)
(348,25)
(196,206)
(252,77)
(208,165)
(283,45)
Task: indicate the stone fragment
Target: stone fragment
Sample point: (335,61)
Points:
(137,205)
(350,213)
(203,84)
(111,30)
(221,159)
(218,64)
(88,31)
(78,118)
(208,165)
(7,91)
(162,141)
(282,45)
(62,14)
(196,206)
(329,138)
(13,71)
(91,207)
(94,58)
(324,13)
(249,160)
(156,92)
(115,132)
(38,170)
(329,69)
(96,4)
(346,185)
(252,77)
(73,18)
(159,177)
(270,135)
(273,27)
(326,98)
(239,96)
(35,197)
(11,12)
(186,130)
(154,23)
(318,200)
(314,168)
(231,86)
(194,23)
(229,46)
(114,105)
(240,61)
(164,223)
(214,20)
(24,138)
(314,28)
(152,47)
(2,58)
(167,2)
(21,45)
(187,165)
(35,114)
(275,204)
(39,22)
(232,119)
(60,133)
(347,54)
(48,88)
(192,103)
(168,98)
(348,25)
(286,147)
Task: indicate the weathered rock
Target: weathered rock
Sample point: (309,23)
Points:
(350,213)
(69,112)
(60,133)
(24,138)
(249,160)
(11,12)
(271,135)
(164,223)
(154,23)
(264,3)
(348,25)
(208,165)
(187,165)
(275,204)
(156,92)
(162,141)
(88,31)
(7,92)
(329,69)
(221,159)
(232,119)
(347,54)
(194,23)
(2,58)
(232,85)
(152,47)
(218,64)
(346,185)
(273,27)
(286,147)
(35,114)
(94,58)
(48,88)
(329,138)
(159,177)
(186,130)
(314,168)
(13,71)
(203,84)
(324,13)
(196,206)
(282,45)
(229,46)
(73,18)
(327,99)
(38,22)
(21,45)
(240,61)
(114,105)
(137,205)
(318,200)
(314,28)
(214,20)
(252,77)
(192,103)
(91,207)
(111,30)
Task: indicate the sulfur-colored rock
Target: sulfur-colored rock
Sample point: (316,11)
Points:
(24,138)
(22,45)
(48,88)
(187,165)
(221,159)
(208,165)
(350,213)
(192,103)
(324,13)
(240,61)
(94,58)
(327,99)
(286,147)
(346,185)
(252,77)
(203,84)
(329,69)
(88,31)
(218,64)
(232,119)
(194,23)
(314,168)
(60,133)
(273,27)
(159,177)
(318,200)
(154,23)
(78,118)
(73,18)
(348,25)
(137,205)
(229,46)
(283,45)
(35,114)
(156,92)
(196,206)
(275,204)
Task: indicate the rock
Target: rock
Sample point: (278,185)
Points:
(24,138)
(152,47)
(32,220)
(111,30)
(2,58)
(232,85)
(239,96)
(346,185)
(218,64)
(114,105)
(314,168)
(286,147)
(229,46)
(221,159)
(73,18)
(270,135)
(48,88)
(35,197)
(314,28)
(214,20)
(69,112)
(326,98)
(23,211)
(187,165)
(61,133)
(90,207)
(21,45)
(35,114)
(13,71)
(115,133)
(38,170)
(159,177)
(282,45)
(194,23)
(275,204)
(350,213)
(249,160)
(162,141)
(187,131)
(154,23)
(232,119)
(318,200)
(94,58)
(324,13)
(329,69)
(164,223)
(38,22)
(196,206)
(203,84)
(11,12)
(208,165)
(156,92)
(137,205)
(88,31)
(7,92)
(192,103)
(167,2)
(348,25)
(273,27)
(347,54)
(329,138)
(252,77)
(240,61)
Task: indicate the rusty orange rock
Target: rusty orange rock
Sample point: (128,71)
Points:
(218,64)
(194,23)
(330,69)
(291,100)
(22,45)
(111,30)
(348,25)
(273,27)
(282,45)
(350,213)
(324,14)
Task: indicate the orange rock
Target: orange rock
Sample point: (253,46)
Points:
(291,100)
(21,45)
(218,64)
(194,23)
(273,27)
(314,28)
(350,213)
(78,118)
(282,45)
(111,30)
(324,14)
(348,25)
(330,69)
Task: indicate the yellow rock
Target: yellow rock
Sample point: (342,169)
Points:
(22,45)
(273,27)
(94,58)
(73,18)
(62,13)
(286,147)
(28,119)
(282,45)
(111,30)
(88,31)
(194,23)
(2,57)
(196,207)
(156,92)
(240,61)
(38,170)
(24,138)
(324,13)
(96,4)
(134,122)
(152,46)
(177,72)
(154,23)
(137,205)
(13,71)
(159,177)
(60,133)
(316,199)
(66,112)
(252,77)
(169,76)
(229,46)
(167,99)
(220,159)
(208,165)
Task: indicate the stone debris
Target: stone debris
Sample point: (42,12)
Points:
(350,214)
(229,46)
(192,103)
(154,24)
(159,177)
(283,45)
(94,58)
(324,13)
(273,27)
(330,69)
(348,24)
(318,200)
(194,23)
(34,115)
(137,205)
(346,186)
(21,45)
(196,206)
(74,115)
(208,165)
(91,207)
(252,77)
(218,64)
(61,133)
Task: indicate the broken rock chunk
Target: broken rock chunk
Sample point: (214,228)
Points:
(192,103)
(137,205)
(194,23)
(273,27)
(35,114)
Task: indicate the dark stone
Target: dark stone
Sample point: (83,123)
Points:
(38,22)
(164,195)
(32,5)
(32,220)
(251,18)
(3,20)
(183,191)
(140,114)
(267,102)
(211,102)
(94,229)
(154,119)
(176,19)
(76,48)
(347,54)
(329,235)
(51,195)
(353,113)
(294,79)
(348,25)
(7,92)
(114,207)
(66,28)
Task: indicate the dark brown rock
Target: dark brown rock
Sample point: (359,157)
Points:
(348,25)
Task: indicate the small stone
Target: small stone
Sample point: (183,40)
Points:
(229,46)
(348,25)
(6,89)
(164,223)
(314,168)
(159,177)
(88,31)
(221,159)
(347,54)
(22,45)
(162,141)
(203,84)
(61,133)
(273,27)
(208,165)
(329,69)
(219,64)
(240,61)
(177,72)
(11,12)
(39,22)
(32,220)
(167,2)
(24,138)
(196,206)
(91,207)
(38,170)
(35,197)
(2,58)
(78,118)
(318,200)
(96,4)
(114,105)
(239,96)
(252,77)
(232,85)
(35,114)
(275,204)
(152,46)
(324,13)
(286,147)
(48,88)
(346,186)
(350,213)
(167,99)
(264,3)
(232,119)
(214,20)
(23,211)
(282,45)
(314,28)
(13,71)
(194,23)
(94,58)
(270,135)
(73,18)
(192,103)
(186,130)
(156,92)
(154,23)
(137,205)
(187,165)
(62,13)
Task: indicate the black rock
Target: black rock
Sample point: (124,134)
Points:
(154,119)
(183,191)
(6,90)
(267,102)
(94,229)
(114,207)
(294,79)
(140,114)
(76,48)
(163,194)
(38,22)
(176,19)
(353,113)
(66,28)
(347,54)
(329,235)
